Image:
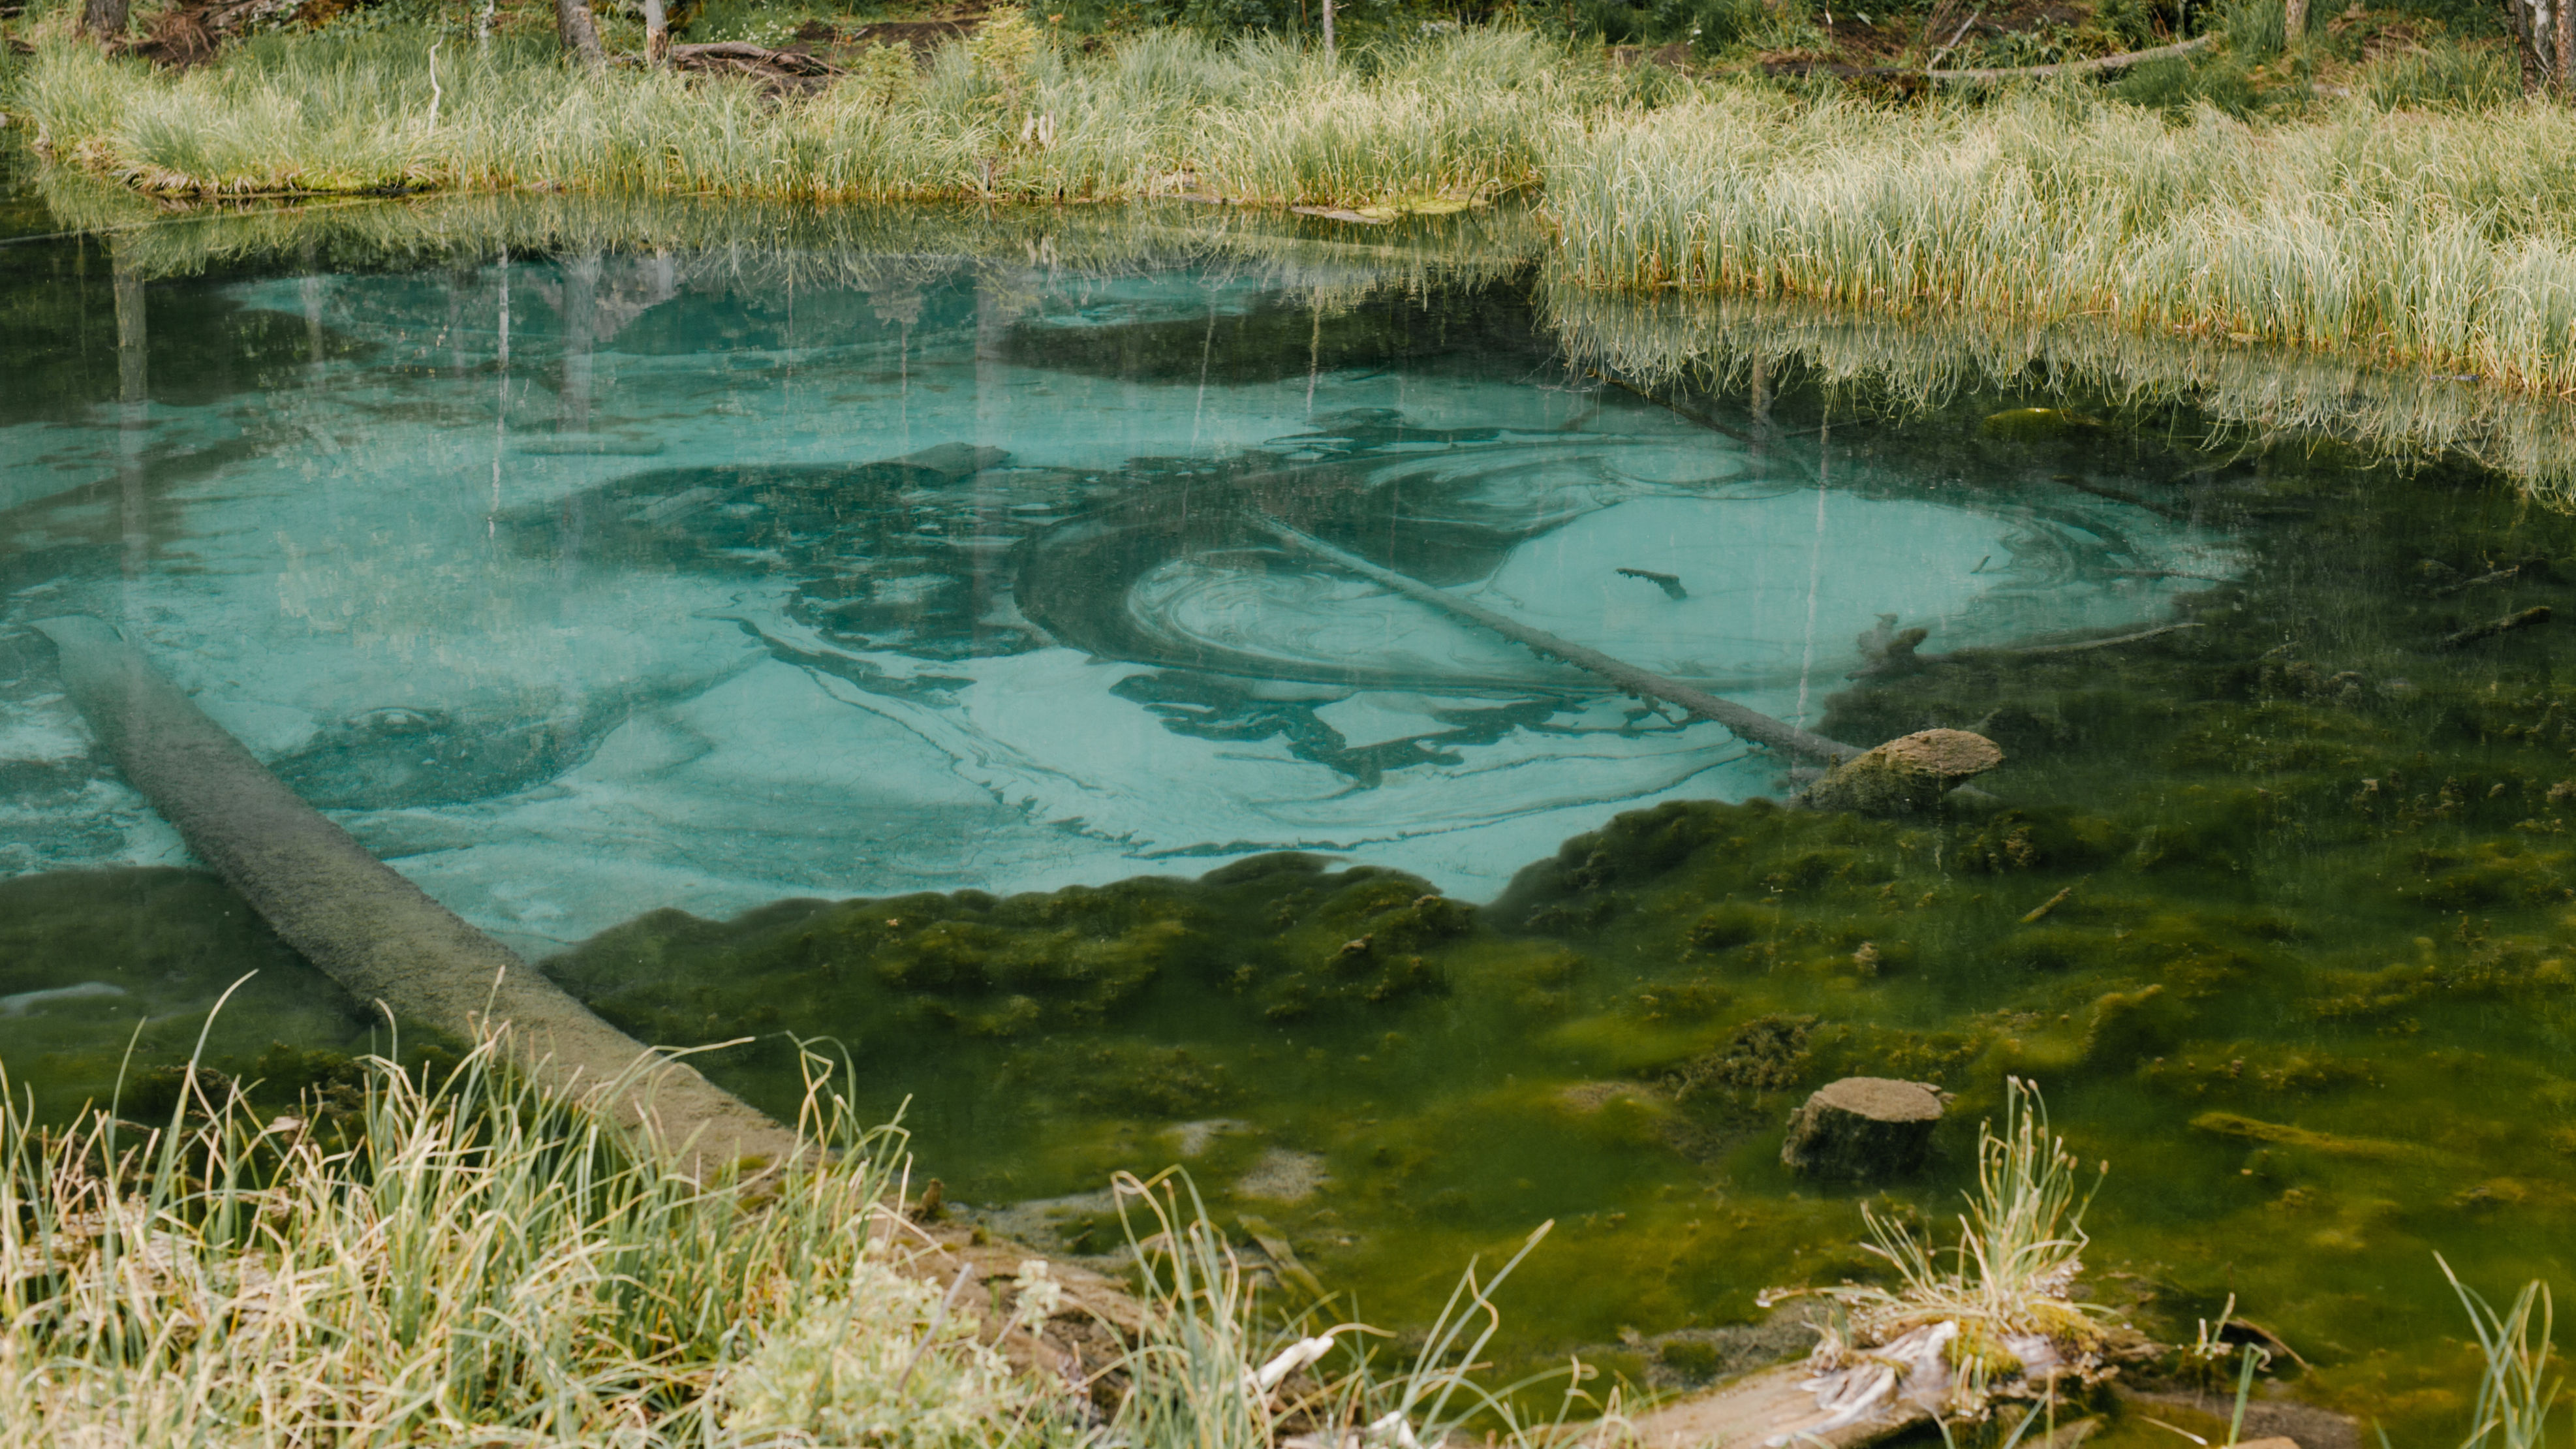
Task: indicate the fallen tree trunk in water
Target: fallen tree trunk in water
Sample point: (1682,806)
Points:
(369,929)
(1750,724)
(1772,1407)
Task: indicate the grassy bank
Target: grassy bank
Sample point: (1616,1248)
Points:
(2428,238)
(2432,237)
(446,1255)
(1003,115)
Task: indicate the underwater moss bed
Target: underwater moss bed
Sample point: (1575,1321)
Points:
(2275,907)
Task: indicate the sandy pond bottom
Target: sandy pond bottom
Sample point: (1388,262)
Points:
(716,602)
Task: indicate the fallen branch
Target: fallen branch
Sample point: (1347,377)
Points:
(2081,645)
(1750,724)
(2093,66)
(2493,627)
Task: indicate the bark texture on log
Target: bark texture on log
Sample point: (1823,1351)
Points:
(1862,1128)
(1906,775)
(103,19)
(1750,724)
(366,927)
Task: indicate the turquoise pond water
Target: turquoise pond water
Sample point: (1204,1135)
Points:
(863,626)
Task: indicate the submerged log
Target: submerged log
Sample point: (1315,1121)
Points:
(1907,774)
(366,927)
(2492,628)
(1774,1406)
(1750,724)
(1862,1128)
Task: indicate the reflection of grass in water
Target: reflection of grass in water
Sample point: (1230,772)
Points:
(759,244)
(2254,395)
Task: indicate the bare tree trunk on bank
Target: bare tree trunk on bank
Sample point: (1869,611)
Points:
(579,33)
(657,33)
(2544,33)
(103,19)
(2564,46)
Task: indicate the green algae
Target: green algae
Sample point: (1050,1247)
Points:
(174,945)
(2277,908)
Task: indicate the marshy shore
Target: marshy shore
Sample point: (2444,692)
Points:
(2416,220)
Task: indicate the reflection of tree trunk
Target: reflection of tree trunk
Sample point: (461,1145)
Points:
(501,403)
(579,33)
(992,417)
(1761,412)
(133,394)
(103,19)
(580,313)
(308,289)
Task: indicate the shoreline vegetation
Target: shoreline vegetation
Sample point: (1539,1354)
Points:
(2418,221)
(449,1253)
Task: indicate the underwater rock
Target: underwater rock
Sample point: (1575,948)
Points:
(952,460)
(1862,1128)
(1907,774)
(1282,1176)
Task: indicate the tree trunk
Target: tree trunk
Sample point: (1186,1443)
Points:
(103,19)
(657,33)
(2563,44)
(2294,23)
(1328,29)
(579,33)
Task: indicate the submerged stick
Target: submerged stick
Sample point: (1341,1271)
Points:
(2494,627)
(369,929)
(1750,724)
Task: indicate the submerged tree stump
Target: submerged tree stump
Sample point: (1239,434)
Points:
(1862,1128)
(1907,774)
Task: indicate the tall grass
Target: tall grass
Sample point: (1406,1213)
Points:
(2423,238)
(1005,115)
(465,1259)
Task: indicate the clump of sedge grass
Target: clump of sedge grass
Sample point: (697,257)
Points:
(471,1260)
(2517,1389)
(1205,1375)
(1997,1317)
(485,1264)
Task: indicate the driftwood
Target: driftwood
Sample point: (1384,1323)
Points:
(1770,1407)
(1750,724)
(367,928)
(741,57)
(2096,65)
(2510,623)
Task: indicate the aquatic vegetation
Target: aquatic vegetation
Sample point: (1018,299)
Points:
(2000,1318)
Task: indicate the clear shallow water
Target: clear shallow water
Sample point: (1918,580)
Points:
(711,594)
(724,608)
